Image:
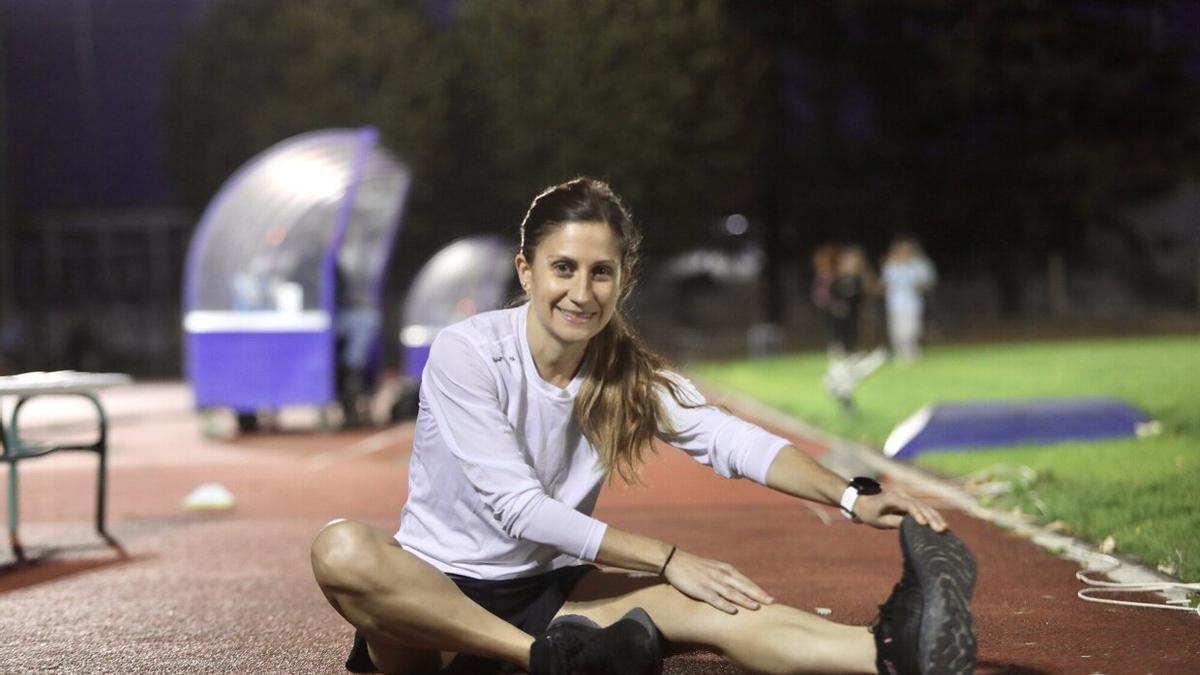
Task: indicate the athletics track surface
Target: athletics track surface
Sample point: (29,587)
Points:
(231,591)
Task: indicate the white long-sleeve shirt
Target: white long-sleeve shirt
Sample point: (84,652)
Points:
(502,482)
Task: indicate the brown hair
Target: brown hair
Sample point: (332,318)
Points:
(618,408)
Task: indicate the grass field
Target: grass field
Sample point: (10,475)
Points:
(1141,492)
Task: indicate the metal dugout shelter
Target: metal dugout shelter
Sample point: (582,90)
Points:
(296,239)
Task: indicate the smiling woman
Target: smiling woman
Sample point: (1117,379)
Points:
(577,264)
(525,414)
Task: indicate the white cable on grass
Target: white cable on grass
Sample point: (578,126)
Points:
(1162,587)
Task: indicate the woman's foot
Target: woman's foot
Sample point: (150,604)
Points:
(925,625)
(575,644)
(631,646)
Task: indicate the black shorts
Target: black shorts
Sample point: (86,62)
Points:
(529,603)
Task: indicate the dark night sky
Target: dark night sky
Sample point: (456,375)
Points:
(83,106)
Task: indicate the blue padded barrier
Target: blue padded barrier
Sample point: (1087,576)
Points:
(980,424)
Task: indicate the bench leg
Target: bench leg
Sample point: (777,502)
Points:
(101,449)
(101,492)
(13,514)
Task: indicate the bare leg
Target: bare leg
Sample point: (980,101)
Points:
(406,608)
(774,639)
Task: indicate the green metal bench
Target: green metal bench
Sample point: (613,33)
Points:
(28,386)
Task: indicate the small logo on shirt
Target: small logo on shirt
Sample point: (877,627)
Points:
(498,359)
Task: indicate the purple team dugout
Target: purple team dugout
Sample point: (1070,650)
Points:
(297,240)
(984,424)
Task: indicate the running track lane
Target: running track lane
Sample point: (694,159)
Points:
(232,591)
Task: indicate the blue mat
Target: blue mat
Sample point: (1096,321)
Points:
(981,424)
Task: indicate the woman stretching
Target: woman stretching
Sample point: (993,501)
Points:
(524,414)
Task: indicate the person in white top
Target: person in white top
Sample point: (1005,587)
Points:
(524,414)
(907,276)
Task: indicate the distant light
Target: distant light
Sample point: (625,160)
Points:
(414,336)
(737,224)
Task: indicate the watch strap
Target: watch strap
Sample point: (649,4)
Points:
(849,498)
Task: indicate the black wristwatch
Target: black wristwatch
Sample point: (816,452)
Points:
(859,486)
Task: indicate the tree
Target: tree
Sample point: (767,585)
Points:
(663,97)
(255,72)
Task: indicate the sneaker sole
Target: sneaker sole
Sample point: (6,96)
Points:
(946,570)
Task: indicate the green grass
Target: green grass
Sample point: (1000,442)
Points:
(1142,492)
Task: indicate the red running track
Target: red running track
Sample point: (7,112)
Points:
(231,591)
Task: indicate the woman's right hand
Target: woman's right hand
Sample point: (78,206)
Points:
(715,582)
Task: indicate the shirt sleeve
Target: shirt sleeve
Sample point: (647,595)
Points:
(733,447)
(463,396)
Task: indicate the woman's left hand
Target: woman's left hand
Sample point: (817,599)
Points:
(717,583)
(886,509)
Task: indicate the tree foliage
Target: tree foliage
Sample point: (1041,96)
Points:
(661,96)
(993,129)
(664,97)
(254,72)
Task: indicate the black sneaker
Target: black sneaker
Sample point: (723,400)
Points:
(897,628)
(631,646)
(553,650)
(925,625)
(359,660)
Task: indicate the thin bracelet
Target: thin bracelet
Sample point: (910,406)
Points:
(666,562)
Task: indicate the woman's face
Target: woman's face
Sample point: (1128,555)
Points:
(573,281)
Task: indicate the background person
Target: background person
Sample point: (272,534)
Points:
(853,283)
(907,277)
(824,270)
(356,336)
(525,413)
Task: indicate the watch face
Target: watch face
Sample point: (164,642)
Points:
(866,486)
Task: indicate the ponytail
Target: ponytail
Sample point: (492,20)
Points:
(618,407)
